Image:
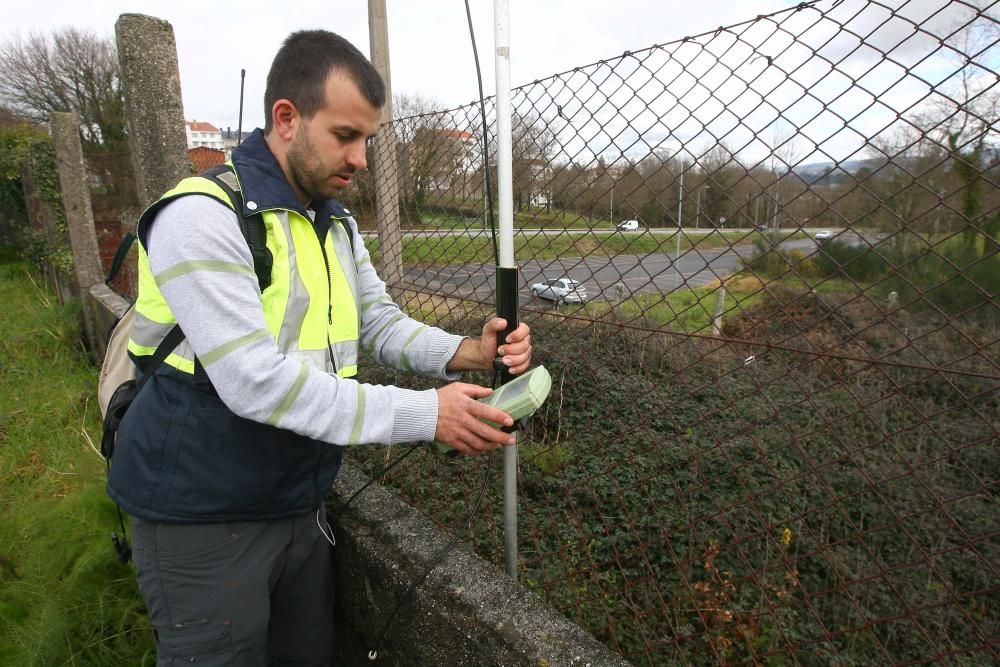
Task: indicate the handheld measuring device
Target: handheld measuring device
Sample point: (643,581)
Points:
(519,398)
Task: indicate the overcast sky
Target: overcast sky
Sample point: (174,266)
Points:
(810,77)
(430,51)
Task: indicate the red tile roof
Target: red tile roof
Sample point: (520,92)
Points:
(201,126)
(203,157)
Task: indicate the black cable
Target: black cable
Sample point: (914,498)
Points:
(373,653)
(381,473)
(486,141)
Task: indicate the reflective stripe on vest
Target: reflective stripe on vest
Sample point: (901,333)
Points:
(310,307)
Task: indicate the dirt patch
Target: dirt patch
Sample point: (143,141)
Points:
(434,308)
(744,284)
(586,245)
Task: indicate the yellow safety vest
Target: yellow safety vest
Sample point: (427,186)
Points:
(311,305)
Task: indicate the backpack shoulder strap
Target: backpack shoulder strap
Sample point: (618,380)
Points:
(120,254)
(252,226)
(255,233)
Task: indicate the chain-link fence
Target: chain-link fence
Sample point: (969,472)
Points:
(773,432)
(115,204)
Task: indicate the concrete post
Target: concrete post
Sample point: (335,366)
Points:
(384,159)
(720,309)
(147,56)
(65,129)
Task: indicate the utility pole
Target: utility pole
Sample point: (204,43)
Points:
(697,207)
(384,160)
(680,200)
(777,205)
(239,124)
(680,211)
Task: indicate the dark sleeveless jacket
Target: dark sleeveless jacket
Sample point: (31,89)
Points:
(182,456)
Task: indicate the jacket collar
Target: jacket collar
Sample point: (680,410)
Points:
(264,184)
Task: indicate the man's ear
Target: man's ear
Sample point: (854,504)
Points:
(284,118)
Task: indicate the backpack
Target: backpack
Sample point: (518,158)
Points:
(120,382)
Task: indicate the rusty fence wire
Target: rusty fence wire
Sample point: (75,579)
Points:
(774,434)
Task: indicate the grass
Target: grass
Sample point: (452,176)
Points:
(64,599)
(465,249)
(685,310)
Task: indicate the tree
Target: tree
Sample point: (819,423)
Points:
(69,70)
(531,150)
(911,180)
(432,152)
(960,117)
(17,140)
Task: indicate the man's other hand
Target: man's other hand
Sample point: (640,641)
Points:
(476,354)
(516,351)
(459,414)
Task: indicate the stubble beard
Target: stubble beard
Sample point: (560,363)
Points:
(306,170)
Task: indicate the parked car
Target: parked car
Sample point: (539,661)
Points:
(823,235)
(560,290)
(628,226)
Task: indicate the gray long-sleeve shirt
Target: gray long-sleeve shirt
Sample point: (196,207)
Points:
(218,308)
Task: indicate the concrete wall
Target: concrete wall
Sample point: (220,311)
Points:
(467,612)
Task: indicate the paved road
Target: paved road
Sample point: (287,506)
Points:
(638,274)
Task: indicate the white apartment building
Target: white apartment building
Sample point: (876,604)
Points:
(200,133)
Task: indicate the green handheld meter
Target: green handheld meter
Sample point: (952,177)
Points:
(519,398)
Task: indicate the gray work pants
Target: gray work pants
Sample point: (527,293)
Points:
(239,593)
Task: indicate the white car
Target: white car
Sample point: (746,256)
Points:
(560,290)
(628,226)
(823,235)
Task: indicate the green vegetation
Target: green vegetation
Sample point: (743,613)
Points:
(684,310)
(64,599)
(694,501)
(22,145)
(950,277)
(464,249)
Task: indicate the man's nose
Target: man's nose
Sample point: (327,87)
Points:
(356,157)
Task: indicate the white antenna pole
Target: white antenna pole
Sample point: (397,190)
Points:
(505,194)
(505,250)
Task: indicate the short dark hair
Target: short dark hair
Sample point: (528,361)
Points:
(303,64)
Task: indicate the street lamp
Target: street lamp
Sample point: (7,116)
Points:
(697,206)
(680,213)
(612,213)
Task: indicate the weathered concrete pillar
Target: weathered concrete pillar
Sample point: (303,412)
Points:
(147,55)
(65,129)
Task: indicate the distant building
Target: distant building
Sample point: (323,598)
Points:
(203,157)
(467,146)
(202,134)
(232,138)
(448,158)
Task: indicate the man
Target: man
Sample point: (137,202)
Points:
(226,455)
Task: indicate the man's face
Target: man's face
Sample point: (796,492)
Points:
(328,149)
